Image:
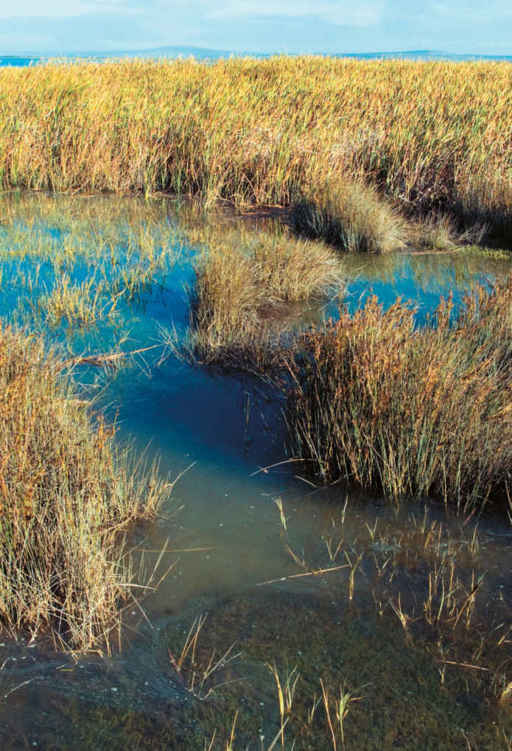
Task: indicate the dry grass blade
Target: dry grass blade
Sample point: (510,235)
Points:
(341,710)
(100,360)
(196,672)
(285,693)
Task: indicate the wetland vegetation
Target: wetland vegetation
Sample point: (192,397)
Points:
(413,413)
(361,149)
(338,575)
(67,496)
(250,290)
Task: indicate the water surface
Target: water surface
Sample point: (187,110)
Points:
(223,528)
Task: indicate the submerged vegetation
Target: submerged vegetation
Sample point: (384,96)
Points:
(410,411)
(329,657)
(351,144)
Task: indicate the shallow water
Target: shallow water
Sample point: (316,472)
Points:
(222,526)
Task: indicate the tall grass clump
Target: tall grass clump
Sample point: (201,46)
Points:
(351,216)
(251,290)
(426,136)
(408,411)
(66,498)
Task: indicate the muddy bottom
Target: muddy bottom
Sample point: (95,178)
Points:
(395,696)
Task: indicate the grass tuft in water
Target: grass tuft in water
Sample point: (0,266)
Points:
(351,216)
(411,412)
(66,498)
(250,292)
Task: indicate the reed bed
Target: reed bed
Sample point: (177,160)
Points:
(411,412)
(250,292)
(416,136)
(67,496)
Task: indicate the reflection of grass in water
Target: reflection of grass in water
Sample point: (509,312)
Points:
(72,263)
(431,272)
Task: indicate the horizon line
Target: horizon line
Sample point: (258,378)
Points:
(24,54)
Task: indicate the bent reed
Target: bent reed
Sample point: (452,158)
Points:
(409,411)
(66,498)
(363,148)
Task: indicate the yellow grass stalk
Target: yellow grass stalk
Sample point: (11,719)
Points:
(411,412)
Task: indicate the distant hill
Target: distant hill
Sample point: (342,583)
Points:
(202,53)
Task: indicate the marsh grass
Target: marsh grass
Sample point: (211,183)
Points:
(431,576)
(409,411)
(326,671)
(318,670)
(67,499)
(436,232)
(336,715)
(250,291)
(427,136)
(80,304)
(350,216)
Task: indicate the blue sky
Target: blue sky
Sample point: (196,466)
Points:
(466,26)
